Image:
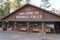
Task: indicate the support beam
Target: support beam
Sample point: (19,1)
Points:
(2,25)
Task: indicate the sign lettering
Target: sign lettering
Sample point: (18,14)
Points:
(29,15)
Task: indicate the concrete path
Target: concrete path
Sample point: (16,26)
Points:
(17,35)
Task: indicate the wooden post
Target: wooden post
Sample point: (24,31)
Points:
(2,25)
(43,28)
(28,27)
(15,25)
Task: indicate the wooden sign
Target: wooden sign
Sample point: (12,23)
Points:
(29,15)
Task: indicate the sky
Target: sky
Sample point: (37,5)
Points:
(54,3)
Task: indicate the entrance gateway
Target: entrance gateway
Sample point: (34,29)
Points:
(30,18)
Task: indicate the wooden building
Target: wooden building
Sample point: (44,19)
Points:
(32,19)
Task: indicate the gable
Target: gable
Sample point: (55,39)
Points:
(50,16)
(30,11)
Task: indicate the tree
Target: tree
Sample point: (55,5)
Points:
(6,7)
(58,12)
(53,10)
(18,2)
(1,2)
(1,8)
(45,4)
(27,1)
(13,5)
(2,12)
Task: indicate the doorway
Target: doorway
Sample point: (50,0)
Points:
(57,27)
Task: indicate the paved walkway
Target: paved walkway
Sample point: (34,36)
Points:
(17,35)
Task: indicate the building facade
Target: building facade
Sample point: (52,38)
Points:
(32,19)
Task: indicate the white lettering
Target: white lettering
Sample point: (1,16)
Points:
(36,12)
(31,16)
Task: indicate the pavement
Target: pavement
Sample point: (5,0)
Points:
(18,35)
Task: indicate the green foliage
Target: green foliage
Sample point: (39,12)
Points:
(6,7)
(53,10)
(1,8)
(45,4)
(18,2)
(2,12)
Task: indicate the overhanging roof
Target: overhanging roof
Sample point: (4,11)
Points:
(34,19)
